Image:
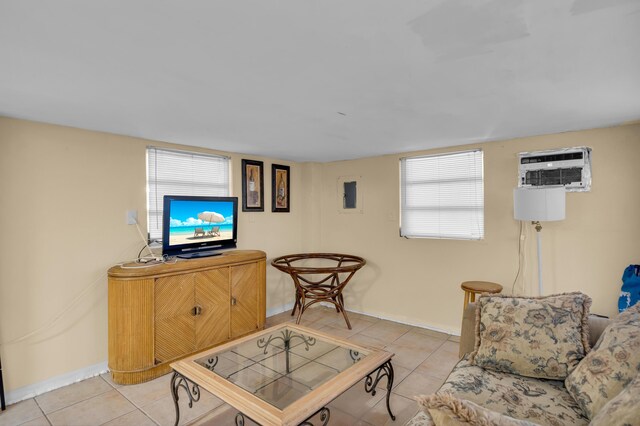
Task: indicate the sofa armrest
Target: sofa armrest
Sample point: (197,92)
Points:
(597,324)
(468,331)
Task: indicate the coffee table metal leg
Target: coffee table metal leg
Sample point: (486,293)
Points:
(193,392)
(370,383)
(325,414)
(239,419)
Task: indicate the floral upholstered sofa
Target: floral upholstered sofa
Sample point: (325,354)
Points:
(528,361)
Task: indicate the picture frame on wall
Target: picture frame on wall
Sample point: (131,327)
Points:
(280,188)
(252,186)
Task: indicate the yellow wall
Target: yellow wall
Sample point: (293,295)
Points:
(418,280)
(62,224)
(65,193)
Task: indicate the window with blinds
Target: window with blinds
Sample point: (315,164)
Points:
(172,172)
(442,196)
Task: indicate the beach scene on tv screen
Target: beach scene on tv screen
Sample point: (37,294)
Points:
(200,221)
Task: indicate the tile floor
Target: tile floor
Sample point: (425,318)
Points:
(422,361)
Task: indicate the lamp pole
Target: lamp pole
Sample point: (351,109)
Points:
(2,401)
(539,205)
(539,238)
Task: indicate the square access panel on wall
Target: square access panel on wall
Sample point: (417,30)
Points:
(349,194)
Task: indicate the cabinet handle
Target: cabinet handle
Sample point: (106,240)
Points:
(234,302)
(196,310)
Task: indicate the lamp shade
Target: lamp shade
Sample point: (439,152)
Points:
(542,205)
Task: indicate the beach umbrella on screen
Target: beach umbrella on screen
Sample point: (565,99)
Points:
(211,217)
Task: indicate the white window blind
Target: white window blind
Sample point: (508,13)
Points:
(442,196)
(172,172)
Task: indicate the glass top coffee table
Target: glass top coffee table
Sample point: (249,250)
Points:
(283,375)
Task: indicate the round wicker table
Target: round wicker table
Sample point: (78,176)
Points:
(316,284)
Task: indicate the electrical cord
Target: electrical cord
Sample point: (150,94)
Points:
(146,245)
(144,240)
(67,308)
(83,293)
(520,240)
(150,260)
(57,317)
(166,260)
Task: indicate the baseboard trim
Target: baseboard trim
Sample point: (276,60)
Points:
(279,309)
(289,306)
(400,321)
(29,391)
(35,389)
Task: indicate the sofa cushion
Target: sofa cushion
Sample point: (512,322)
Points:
(421,418)
(543,337)
(447,410)
(624,409)
(610,366)
(545,402)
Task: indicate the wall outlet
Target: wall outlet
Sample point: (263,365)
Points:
(132,217)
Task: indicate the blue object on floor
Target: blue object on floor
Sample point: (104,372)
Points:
(630,292)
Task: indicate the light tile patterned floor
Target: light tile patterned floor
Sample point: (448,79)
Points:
(422,361)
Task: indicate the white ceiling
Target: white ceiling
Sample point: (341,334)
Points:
(321,80)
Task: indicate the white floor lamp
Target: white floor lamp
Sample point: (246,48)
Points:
(539,205)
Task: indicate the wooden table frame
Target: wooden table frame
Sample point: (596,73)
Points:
(190,376)
(326,289)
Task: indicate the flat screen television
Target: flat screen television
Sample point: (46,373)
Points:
(198,226)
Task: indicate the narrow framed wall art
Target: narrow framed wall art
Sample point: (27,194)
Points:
(252,186)
(280,188)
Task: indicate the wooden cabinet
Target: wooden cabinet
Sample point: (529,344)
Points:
(166,312)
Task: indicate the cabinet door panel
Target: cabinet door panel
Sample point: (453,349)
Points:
(174,337)
(174,321)
(174,295)
(244,290)
(212,295)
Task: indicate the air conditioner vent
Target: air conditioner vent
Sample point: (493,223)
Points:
(552,157)
(569,167)
(553,177)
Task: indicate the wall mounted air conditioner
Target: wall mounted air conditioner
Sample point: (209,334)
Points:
(570,167)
